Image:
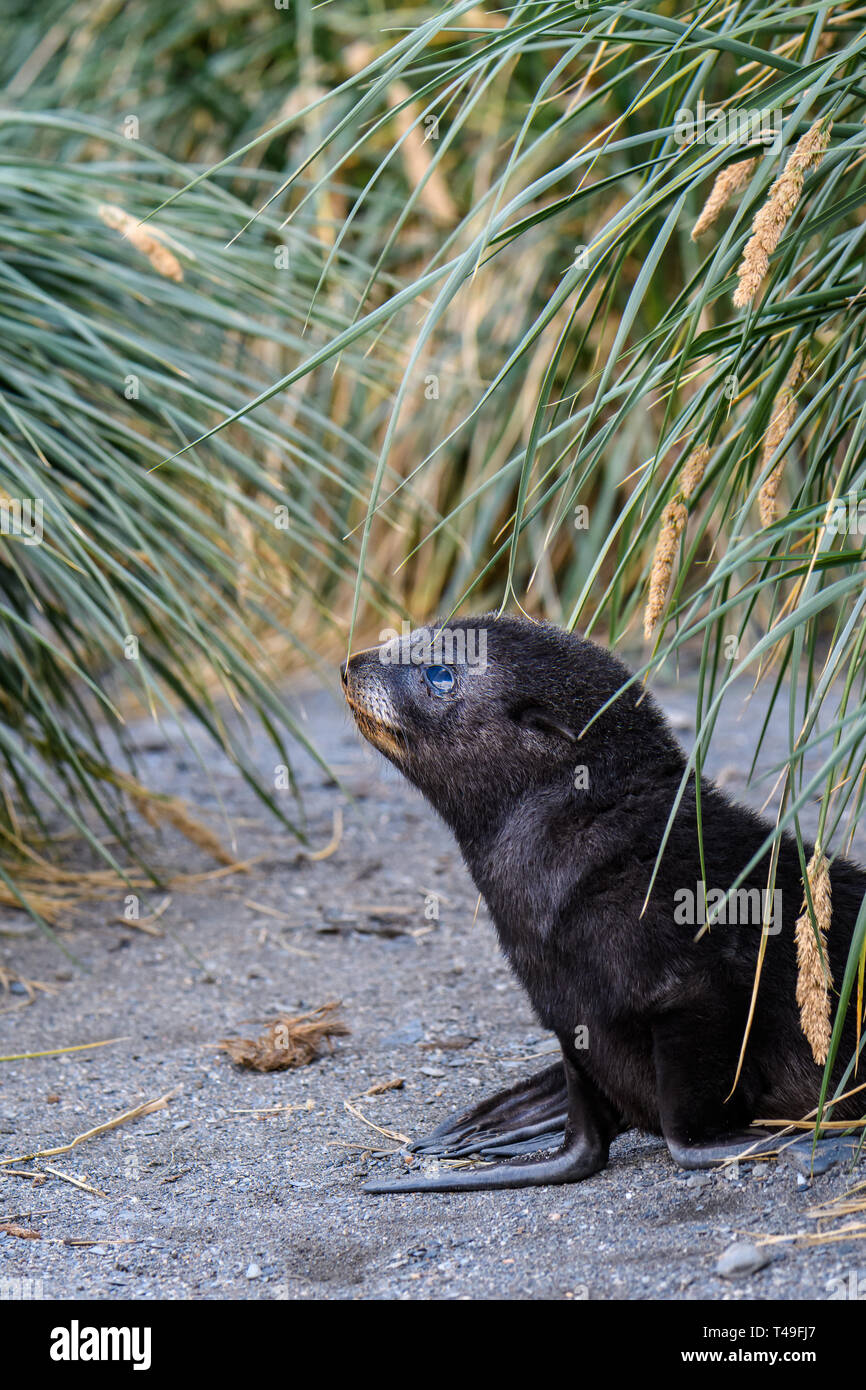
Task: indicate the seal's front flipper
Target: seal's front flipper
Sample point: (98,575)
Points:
(589,1127)
(530,1115)
(570,1163)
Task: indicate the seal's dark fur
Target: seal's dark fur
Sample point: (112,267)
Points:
(565,869)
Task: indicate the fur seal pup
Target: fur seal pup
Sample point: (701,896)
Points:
(560,821)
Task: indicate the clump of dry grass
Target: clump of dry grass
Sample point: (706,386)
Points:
(674,518)
(144,239)
(55,892)
(75,887)
(814,981)
(772,219)
(158,809)
(11,1228)
(727,182)
(288,1042)
(784,412)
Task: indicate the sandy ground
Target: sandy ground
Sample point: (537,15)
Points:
(247,1185)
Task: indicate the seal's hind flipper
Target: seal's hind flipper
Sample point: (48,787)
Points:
(728,1148)
(808,1158)
(528,1116)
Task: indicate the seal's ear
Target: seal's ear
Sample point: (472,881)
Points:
(545,722)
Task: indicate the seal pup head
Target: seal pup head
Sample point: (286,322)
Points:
(480,711)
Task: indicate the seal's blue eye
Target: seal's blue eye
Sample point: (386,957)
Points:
(441,679)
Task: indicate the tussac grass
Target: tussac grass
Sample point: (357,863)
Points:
(154,583)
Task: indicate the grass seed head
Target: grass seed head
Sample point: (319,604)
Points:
(772,219)
(727,182)
(814,981)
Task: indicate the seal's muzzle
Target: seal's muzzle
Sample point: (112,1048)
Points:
(366,689)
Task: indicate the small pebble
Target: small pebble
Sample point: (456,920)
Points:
(254,1272)
(410,1033)
(741,1258)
